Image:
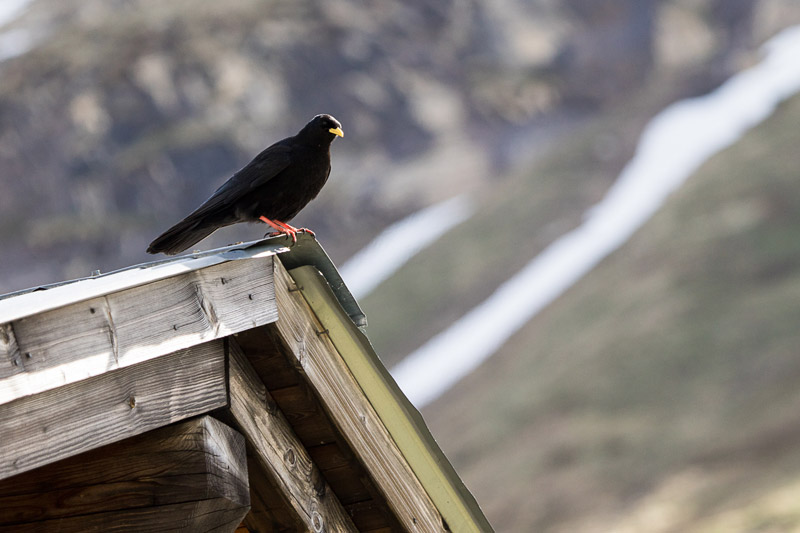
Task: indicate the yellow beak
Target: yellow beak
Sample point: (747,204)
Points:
(337,131)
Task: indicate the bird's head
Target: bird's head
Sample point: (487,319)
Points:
(322,129)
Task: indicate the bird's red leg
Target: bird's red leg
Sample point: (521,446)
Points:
(280,228)
(290,230)
(296,230)
(270,223)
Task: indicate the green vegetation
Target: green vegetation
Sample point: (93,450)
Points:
(664,382)
(518,216)
(660,393)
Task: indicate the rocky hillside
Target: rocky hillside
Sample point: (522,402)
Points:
(123,116)
(660,393)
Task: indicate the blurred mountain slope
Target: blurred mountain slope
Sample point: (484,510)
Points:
(516,219)
(124,115)
(660,393)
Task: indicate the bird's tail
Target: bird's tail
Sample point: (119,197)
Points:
(181,236)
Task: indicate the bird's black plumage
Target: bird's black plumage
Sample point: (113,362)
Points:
(275,186)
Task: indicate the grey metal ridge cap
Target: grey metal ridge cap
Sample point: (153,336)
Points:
(308,251)
(34,300)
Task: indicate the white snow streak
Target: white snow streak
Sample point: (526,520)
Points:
(16,41)
(400,242)
(11,9)
(674,144)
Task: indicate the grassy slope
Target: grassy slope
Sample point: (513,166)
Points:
(517,217)
(660,393)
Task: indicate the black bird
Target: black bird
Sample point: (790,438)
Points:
(273,188)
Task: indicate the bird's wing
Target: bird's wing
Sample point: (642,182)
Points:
(257,172)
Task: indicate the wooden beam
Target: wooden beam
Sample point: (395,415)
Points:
(346,476)
(279,452)
(88,338)
(405,424)
(73,419)
(329,377)
(268,509)
(191,476)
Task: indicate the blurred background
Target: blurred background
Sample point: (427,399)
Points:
(659,393)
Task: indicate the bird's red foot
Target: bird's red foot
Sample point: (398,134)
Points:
(280,228)
(298,230)
(306,230)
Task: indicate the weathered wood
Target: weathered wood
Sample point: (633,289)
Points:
(272,361)
(402,420)
(355,418)
(338,470)
(191,476)
(264,349)
(370,517)
(71,343)
(278,450)
(305,415)
(204,516)
(268,509)
(63,422)
(10,362)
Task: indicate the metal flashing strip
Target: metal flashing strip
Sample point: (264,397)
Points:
(308,251)
(35,300)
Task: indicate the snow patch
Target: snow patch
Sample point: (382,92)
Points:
(673,145)
(11,9)
(14,42)
(400,242)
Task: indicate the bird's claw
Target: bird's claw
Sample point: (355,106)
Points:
(279,233)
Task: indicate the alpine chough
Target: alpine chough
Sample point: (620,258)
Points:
(272,188)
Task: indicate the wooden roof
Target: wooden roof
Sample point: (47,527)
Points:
(212,391)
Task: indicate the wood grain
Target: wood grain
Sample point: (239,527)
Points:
(63,422)
(268,509)
(278,369)
(303,412)
(211,515)
(355,418)
(404,423)
(10,361)
(279,452)
(75,342)
(190,476)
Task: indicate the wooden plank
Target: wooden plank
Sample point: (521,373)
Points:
(204,516)
(370,517)
(191,475)
(406,426)
(268,510)
(62,346)
(264,349)
(10,358)
(71,343)
(279,452)
(338,471)
(63,422)
(355,418)
(34,301)
(305,415)
(271,360)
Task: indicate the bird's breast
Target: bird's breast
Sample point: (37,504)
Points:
(282,197)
